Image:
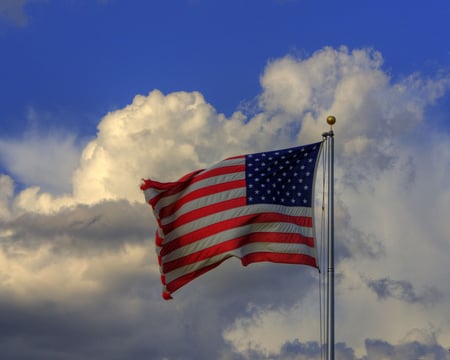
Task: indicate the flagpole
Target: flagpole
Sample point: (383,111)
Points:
(331,120)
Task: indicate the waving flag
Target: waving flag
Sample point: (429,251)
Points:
(257,207)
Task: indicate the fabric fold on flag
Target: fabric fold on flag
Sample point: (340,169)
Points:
(256,207)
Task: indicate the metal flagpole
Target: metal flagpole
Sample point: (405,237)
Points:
(331,120)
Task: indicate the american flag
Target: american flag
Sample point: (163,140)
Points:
(256,207)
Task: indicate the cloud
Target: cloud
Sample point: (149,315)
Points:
(12,10)
(44,160)
(402,290)
(135,141)
(375,348)
(379,349)
(77,264)
(6,195)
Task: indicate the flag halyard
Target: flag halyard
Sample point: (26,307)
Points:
(256,207)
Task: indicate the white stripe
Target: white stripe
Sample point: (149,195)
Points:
(239,253)
(204,201)
(215,180)
(234,213)
(276,227)
(227,162)
(150,193)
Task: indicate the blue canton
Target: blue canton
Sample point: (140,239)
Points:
(283,177)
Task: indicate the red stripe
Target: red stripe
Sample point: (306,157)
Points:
(300,259)
(204,211)
(196,176)
(229,245)
(222,170)
(199,193)
(183,280)
(218,227)
(158,239)
(168,187)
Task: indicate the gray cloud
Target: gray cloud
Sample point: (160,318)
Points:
(379,349)
(403,290)
(352,242)
(85,229)
(376,350)
(13,11)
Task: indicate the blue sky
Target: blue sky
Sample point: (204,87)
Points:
(99,94)
(75,61)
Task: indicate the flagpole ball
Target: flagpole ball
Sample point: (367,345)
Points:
(331,120)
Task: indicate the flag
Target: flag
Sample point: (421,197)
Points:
(256,207)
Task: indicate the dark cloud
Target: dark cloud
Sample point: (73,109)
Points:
(403,290)
(379,349)
(123,316)
(85,229)
(376,350)
(352,242)
(13,11)
(122,322)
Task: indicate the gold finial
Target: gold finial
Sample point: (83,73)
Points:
(331,120)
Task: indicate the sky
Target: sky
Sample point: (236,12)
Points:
(96,95)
